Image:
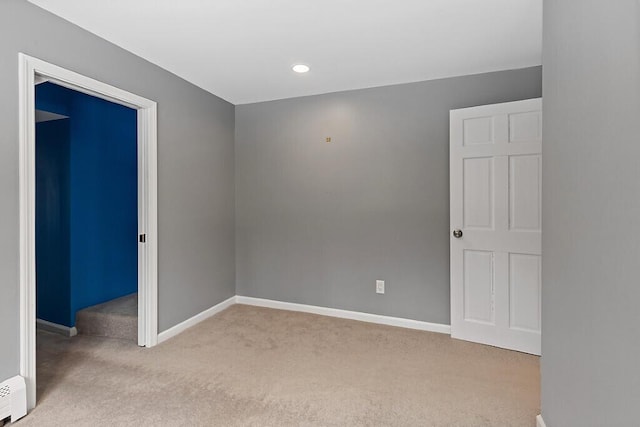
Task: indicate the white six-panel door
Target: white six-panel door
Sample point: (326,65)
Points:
(495,195)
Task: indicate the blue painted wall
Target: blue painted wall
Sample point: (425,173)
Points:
(53,98)
(102,198)
(52,221)
(104,213)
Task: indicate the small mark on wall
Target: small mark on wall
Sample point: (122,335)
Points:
(328,139)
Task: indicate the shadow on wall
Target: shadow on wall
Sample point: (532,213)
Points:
(86,203)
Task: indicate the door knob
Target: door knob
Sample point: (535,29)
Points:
(457,234)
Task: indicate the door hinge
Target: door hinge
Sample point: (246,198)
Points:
(143,238)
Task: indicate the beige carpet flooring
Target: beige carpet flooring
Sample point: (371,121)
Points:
(250,366)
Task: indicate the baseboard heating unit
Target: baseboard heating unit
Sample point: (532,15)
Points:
(13,399)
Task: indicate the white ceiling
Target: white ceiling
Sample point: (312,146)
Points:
(243,50)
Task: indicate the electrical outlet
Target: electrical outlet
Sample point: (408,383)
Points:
(379,286)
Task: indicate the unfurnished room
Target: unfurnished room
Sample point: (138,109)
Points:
(303,213)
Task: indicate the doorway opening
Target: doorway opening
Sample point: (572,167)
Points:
(86,214)
(33,70)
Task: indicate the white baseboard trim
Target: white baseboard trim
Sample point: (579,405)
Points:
(540,421)
(346,314)
(56,328)
(180,327)
(323,311)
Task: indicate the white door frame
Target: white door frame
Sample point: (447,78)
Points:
(31,67)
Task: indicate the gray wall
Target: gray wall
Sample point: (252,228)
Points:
(591,213)
(196,191)
(318,223)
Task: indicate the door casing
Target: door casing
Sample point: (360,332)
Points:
(30,69)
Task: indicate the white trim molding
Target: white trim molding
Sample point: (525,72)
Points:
(148,226)
(30,69)
(346,314)
(540,421)
(192,321)
(56,328)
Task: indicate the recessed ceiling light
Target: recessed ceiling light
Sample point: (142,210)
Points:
(300,68)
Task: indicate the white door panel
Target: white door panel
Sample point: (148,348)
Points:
(478,286)
(495,167)
(524,292)
(478,192)
(478,130)
(525,126)
(525,185)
